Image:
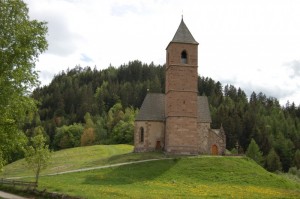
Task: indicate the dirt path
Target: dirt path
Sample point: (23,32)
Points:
(94,168)
(108,166)
(105,166)
(10,196)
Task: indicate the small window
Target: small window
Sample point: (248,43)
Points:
(184,57)
(141,134)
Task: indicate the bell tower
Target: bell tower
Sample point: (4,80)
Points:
(181,135)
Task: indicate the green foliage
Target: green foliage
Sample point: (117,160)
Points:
(284,148)
(254,153)
(88,137)
(297,159)
(123,131)
(68,136)
(234,151)
(21,42)
(88,120)
(2,162)
(273,161)
(37,155)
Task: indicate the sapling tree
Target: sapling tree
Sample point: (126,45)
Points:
(37,155)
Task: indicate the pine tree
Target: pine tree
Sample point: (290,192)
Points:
(297,159)
(273,161)
(254,152)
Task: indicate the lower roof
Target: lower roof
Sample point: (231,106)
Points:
(153,108)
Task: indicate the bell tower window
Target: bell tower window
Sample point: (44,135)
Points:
(184,57)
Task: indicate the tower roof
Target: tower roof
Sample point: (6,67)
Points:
(183,35)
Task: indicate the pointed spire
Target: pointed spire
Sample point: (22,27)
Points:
(183,35)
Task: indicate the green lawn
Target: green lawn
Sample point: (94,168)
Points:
(81,157)
(179,177)
(206,177)
(70,159)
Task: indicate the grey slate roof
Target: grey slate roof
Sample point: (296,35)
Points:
(203,110)
(183,35)
(153,108)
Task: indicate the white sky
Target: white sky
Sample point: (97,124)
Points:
(252,44)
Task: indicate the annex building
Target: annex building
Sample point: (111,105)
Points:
(178,121)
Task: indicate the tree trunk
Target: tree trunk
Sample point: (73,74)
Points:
(37,174)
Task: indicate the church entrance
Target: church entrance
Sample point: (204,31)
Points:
(157,147)
(214,150)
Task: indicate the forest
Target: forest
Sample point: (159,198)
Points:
(85,106)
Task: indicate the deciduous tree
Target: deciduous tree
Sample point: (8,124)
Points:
(37,155)
(21,42)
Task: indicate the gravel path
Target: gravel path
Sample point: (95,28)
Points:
(10,196)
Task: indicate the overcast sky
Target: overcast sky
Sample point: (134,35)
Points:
(251,44)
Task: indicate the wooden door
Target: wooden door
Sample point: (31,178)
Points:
(214,150)
(158,147)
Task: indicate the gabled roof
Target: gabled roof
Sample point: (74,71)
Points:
(183,35)
(153,108)
(203,110)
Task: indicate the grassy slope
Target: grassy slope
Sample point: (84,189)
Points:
(70,159)
(223,177)
(176,178)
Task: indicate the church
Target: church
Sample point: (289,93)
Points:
(178,121)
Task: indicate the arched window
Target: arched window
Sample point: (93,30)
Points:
(184,57)
(141,134)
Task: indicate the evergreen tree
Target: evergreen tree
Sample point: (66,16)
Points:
(254,152)
(297,159)
(273,161)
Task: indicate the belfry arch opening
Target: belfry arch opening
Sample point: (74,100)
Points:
(184,57)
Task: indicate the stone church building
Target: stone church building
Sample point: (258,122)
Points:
(178,122)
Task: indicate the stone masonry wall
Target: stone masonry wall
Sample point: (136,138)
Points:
(203,132)
(217,139)
(174,53)
(181,100)
(181,135)
(153,132)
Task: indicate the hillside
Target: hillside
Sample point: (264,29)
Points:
(177,178)
(80,157)
(100,105)
(189,177)
(69,159)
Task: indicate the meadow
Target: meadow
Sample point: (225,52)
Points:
(204,177)
(177,177)
(80,157)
